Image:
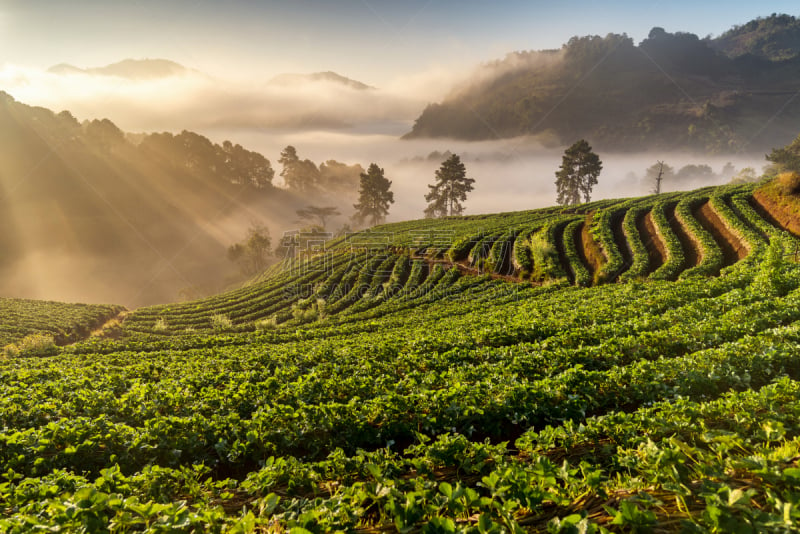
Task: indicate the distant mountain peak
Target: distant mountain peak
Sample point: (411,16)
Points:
(135,69)
(65,68)
(289,79)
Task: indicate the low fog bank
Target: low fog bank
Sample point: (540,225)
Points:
(181,259)
(510,175)
(194,101)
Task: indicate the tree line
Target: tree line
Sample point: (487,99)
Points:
(575,179)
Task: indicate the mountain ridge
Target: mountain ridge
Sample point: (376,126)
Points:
(289,79)
(135,69)
(672,91)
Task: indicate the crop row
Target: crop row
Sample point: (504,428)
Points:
(64,322)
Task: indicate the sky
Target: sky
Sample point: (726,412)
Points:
(379,42)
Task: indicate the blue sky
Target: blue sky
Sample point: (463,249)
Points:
(370,40)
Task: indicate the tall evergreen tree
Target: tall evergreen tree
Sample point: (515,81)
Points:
(374,197)
(450,190)
(578,173)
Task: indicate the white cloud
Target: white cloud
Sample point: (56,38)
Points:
(196,101)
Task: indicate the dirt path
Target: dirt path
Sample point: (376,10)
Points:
(692,252)
(621,242)
(111,329)
(656,250)
(733,249)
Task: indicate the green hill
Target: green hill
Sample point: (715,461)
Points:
(627,365)
(672,91)
(776,38)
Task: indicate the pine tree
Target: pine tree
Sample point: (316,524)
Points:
(578,173)
(450,190)
(374,197)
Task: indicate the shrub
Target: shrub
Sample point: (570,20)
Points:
(320,305)
(789,183)
(161,325)
(268,323)
(544,256)
(10,351)
(32,345)
(221,322)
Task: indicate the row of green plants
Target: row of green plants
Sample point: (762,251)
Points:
(710,259)
(572,235)
(676,259)
(727,465)
(640,267)
(488,243)
(63,323)
(690,378)
(547,356)
(601,230)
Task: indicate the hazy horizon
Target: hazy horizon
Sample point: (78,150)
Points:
(374,41)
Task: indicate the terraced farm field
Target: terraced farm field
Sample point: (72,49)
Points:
(64,323)
(628,365)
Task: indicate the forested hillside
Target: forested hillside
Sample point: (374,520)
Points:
(671,91)
(776,38)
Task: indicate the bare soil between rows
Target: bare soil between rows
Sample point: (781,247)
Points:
(733,249)
(588,249)
(656,249)
(692,252)
(782,212)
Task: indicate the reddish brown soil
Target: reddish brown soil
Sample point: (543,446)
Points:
(656,250)
(692,252)
(782,211)
(588,249)
(733,249)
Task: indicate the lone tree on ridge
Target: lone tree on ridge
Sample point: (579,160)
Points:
(578,173)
